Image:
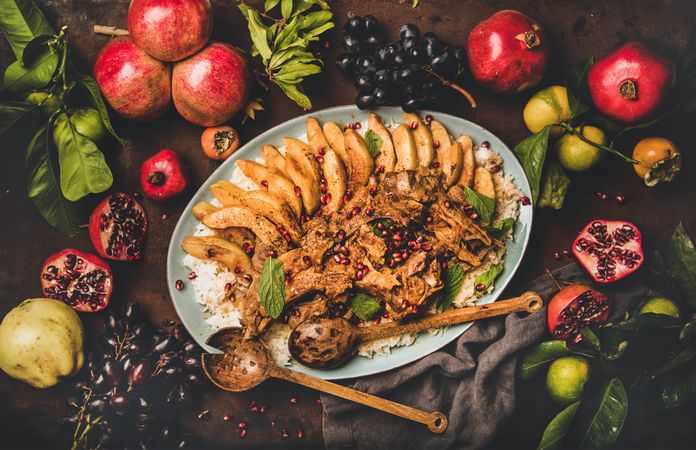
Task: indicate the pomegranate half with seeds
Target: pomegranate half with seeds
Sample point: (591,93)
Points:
(574,308)
(81,280)
(117,227)
(609,249)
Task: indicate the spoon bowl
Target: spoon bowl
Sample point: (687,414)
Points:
(243,365)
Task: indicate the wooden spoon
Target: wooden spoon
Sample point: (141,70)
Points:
(324,342)
(246,363)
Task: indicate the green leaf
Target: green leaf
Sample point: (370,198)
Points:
(599,418)
(680,390)
(364,306)
(646,321)
(83,169)
(294,93)
(532,152)
(452,278)
(683,356)
(541,355)
(578,91)
(21,21)
(17,117)
(556,430)
(374,143)
(43,185)
(487,278)
(554,187)
(414,3)
(614,343)
(483,205)
(591,338)
(294,72)
(272,287)
(19,78)
(90,87)
(270,4)
(289,35)
(386,223)
(286,8)
(35,48)
(500,230)
(681,261)
(315,23)
(257,31)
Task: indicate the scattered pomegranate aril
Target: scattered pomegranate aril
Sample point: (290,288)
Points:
(192,276)
(485,144)
(620,199)
(436,144)
(284,433)
(242,433)
(601,195)
(298,191)
(557,256)
(242,425)
(179,285)
(480,287)
(293,400)
(526,201)
(226,417)
(300,433)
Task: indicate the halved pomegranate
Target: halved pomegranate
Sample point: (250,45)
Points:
(576,307)
(118,227)
(81,280)
(609,249)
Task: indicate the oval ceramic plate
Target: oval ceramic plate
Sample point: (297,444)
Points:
(192,314)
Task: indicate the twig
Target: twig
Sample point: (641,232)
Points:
(455,86)
(110,31)
(555,281)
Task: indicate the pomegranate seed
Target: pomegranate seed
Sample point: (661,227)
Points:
(369,211)
(226,417)
(556,256)
(322,180)
(321,151)
(242,433)
(414,125)
(341,234)
(356,210)
(300,433)
(358,125)
(414,309)
(448,204)
(473,216)
(427,247)
(566,253)
(480,287)
(373,191)
(345,251)
(204,415)
(601,195)
(242,425)
(318,213)
(428,119)
(444,264)
(192,276)
(264,183)
(349,193)
(320,159)
(319,402)
(345,261)
(359,276)
(404,304)
(323,189)
(254,409)
(284,433)
(238,270)
(485,144)
(262,410)
(179,285)
(436,144)
(620,199)
(165,216)
(273,423)
(429,219)
(435,164)
(495,168)
(306,259)
(248,277)
(293,400)
(526,201)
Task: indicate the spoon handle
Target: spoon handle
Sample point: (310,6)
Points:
(436,421)
(527,302)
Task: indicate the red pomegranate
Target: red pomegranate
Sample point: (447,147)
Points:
(212,85)
(576,307)
(170,30)
(507,52)
(117,227)
(609,249)
(631,83)
(136,85)
(162,176)
(81,280)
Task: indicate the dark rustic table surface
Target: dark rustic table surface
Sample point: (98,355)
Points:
(575,29)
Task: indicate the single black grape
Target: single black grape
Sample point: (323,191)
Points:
(132,312)
(192,378)
(365,64)
(126,364)
(111,372)
(120,403)
(399,58)
(459,55)
(409,43)
(444,64)
(96,406)
(364,101)
(355,25)
(409,30)
(351,44)
(111,321)
(162,345)
(408,74)
(382,77)
(381,55)
(433,45)
(381,95)
(373,40)
(416,54)
(370,23)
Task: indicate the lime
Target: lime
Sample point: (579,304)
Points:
(86,121)
(48,101)
(566,379)
(576,155)
(547,107)
(660,305)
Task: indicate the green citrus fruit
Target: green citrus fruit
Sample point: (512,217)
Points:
(48,101)
(86,121)
(660,305)
(576,155)
(547,107)
(566,379)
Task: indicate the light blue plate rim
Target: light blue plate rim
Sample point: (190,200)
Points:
(192,314)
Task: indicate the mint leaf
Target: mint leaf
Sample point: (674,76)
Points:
(500,230)
(272,287)
(374,143)
(453,277)
(487,278)
(364,306)
(483,205)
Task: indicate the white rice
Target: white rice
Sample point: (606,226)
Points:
(211,277)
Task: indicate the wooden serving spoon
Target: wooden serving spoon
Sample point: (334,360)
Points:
(325,343)
(246,363)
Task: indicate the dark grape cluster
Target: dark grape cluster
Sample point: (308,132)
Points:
(135,377)
(413,72)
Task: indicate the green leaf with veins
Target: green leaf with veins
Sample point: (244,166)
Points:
(500,230)
(554,187)
(19,78)
(532,153)
(681,261)
(556,430)
(364,306)
(487,278)
(272,287)
(35,48)
(22,21)
(89,86)
(452,278)
(542,354)
(373,142)
(578,91)
(484,206)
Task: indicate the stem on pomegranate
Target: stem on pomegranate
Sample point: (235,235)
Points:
(110,31)
(569,129)
(470,98)
(555,281)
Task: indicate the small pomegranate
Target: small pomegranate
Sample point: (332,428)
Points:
(81,280)
(212,85)
(507,52)
(609,249)
(136,85)
(162,176)
(170,30)
(576,307)
(117,227)
(631,83)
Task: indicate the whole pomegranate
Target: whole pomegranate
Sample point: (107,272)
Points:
(170,30)
(162,176)
(507,52)
(136,85)
(212,85)
(80,280)
(631,83)
(609,249)
(576,307)
(117,227)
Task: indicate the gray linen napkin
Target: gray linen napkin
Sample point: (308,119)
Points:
(471,381)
